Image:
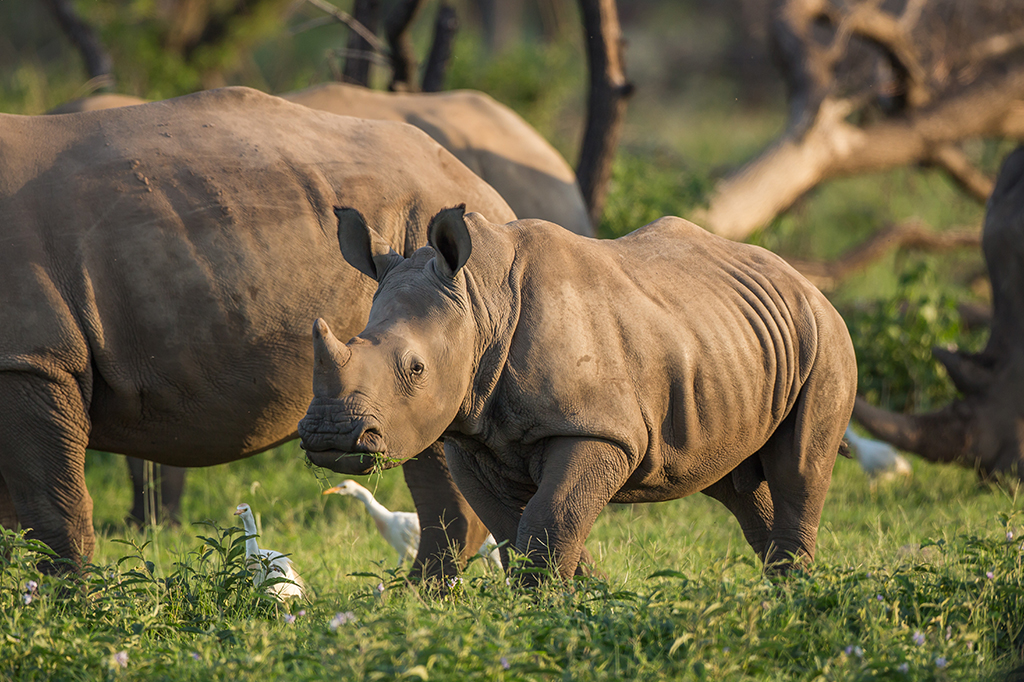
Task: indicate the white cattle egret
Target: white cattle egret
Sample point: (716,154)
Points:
(266,563)
(878,459)
(402,529)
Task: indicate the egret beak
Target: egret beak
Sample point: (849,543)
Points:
(335,489)
(238,513)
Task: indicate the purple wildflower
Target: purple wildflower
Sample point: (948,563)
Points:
(990,575)
(504,663)
(289,618)
(918,639)
(941,662)
(27,598)
(341,619)
(903,667)
(121,658)
(196,656)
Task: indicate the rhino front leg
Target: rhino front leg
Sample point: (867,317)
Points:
(44,429)
(8,516)
(171,481)
(578,479)
(753,509)
(450,531)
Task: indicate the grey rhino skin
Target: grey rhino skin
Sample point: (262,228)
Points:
(489,138)
(564,373)
(161,265)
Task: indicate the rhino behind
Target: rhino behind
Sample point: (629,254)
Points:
(160,269)
(564,373)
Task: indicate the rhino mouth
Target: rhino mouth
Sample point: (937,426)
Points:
(349,463)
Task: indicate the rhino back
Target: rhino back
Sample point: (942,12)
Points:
(488,137)
(685,348)
(173,256)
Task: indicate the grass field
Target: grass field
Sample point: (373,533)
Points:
(915,580)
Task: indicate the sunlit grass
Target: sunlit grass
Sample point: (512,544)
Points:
(681,598)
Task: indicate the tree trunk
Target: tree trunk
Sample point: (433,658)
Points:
(403,57)
(606,102)
(983,430)
(445,27)
(357,67)
(97,62)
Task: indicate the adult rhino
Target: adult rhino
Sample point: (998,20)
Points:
(564,373)
(489,138)
(160,267)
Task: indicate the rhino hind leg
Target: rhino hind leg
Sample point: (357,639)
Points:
(44,430)
(798,461)
(450,531)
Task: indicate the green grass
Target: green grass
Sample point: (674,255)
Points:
(682,596)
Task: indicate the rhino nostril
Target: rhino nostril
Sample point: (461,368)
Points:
(371,437)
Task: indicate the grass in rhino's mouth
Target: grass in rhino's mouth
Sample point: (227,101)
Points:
(379,459)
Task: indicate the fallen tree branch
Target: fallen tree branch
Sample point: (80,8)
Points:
(833,147)
(907,235)
(951,159)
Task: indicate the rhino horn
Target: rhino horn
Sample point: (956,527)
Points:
(329,356)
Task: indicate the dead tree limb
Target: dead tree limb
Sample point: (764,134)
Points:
(403,57)
(365,13)
(870,90)
(606,102)
(446,25)
(98,63)
(951,159)
(357,27)
(982,430)
(908,235)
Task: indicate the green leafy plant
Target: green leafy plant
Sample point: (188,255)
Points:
(894,337)
(647,184)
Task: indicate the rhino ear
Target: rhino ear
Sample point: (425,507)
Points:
(449,237)
(362,247)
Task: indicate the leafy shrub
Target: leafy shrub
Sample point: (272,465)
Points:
(894,337)
(646,185)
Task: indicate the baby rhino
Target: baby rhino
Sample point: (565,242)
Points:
(564,373)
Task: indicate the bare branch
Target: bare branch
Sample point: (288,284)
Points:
(892,36)
(834,147)
(996,46)
(908,235)
(951,159)
(350,21)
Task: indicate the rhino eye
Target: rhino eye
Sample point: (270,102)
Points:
(416,367)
